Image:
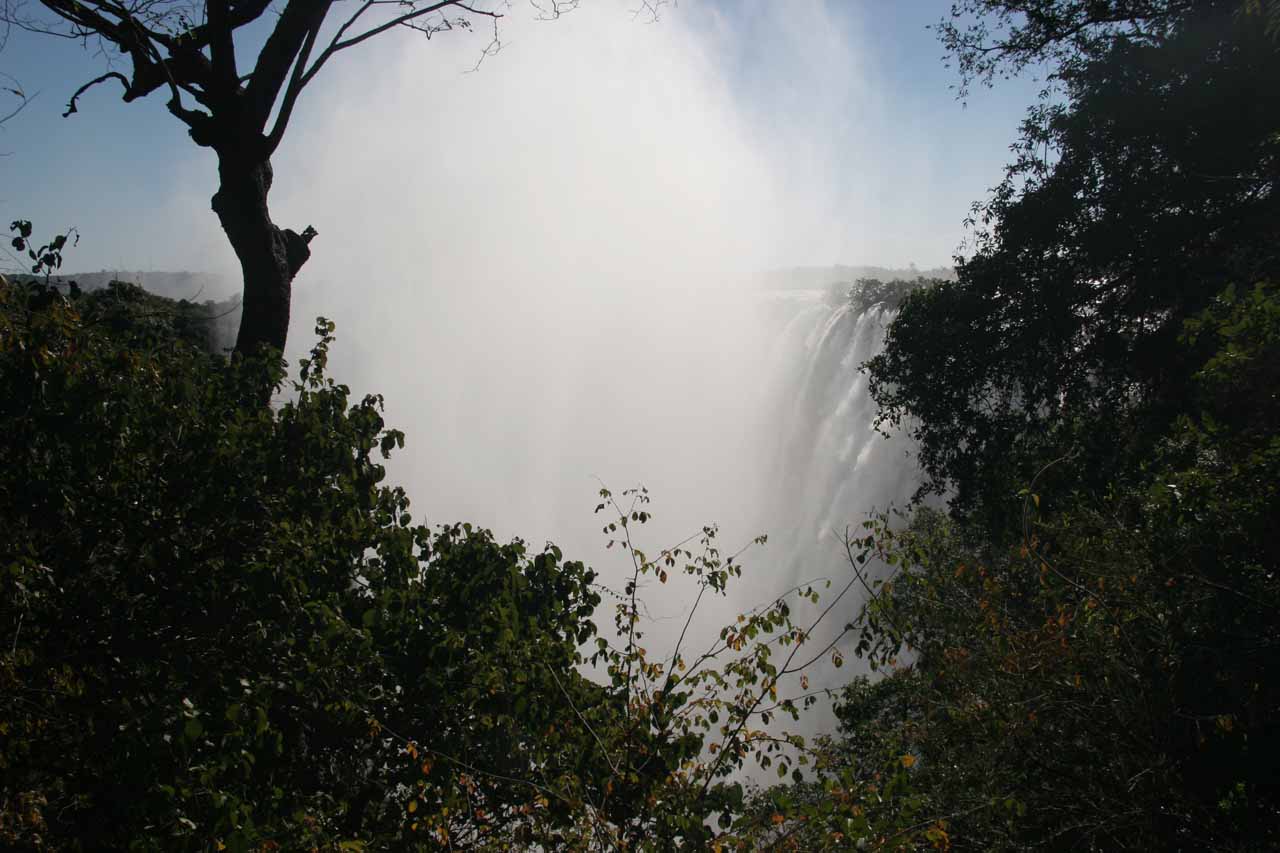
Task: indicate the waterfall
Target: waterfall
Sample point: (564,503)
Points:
(738,406)
(828,466)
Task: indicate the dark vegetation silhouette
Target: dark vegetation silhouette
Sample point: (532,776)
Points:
(219,629)
(1080,653)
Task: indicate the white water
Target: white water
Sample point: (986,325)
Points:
(828,466)
(735,407)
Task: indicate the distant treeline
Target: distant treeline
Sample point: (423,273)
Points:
(822,278)
(166,302)
(867,293)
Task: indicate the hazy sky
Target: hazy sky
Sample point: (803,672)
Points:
(838,116)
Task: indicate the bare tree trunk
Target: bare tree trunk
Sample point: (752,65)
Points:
(269,256)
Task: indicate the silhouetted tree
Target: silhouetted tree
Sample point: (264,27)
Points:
(195,52)
(1126,212)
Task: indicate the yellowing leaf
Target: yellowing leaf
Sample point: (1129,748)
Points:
(413,806)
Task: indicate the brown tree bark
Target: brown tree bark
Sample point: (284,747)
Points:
(270,256)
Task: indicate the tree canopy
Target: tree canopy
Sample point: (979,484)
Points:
(1079,651)
(990,39)
(1126,212)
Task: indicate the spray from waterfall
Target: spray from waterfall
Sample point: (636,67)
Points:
(546,267)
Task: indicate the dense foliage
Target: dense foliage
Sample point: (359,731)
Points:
(219,626)
(1155,194)
(222,631)
(1081,652)
(867,293)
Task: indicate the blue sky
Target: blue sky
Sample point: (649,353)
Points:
(850,95)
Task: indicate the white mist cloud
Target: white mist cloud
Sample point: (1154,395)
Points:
(536,263)
(525,259)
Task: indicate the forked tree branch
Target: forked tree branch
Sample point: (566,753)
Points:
(14,88)
(197,58)
(110,75)
(341,41)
